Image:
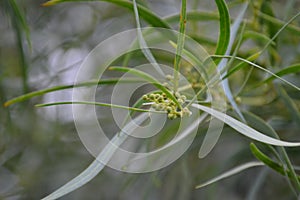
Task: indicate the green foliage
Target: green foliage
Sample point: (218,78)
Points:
(257,57)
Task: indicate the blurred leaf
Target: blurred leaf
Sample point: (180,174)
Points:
(231,172)
(102,159)
(145,13)
(20,19)
(143,45)
(293,69)
(266,128)
(20,27)
(277,22)
(259,67)
(63,87)
(289,103)
(194,16)
(260,37)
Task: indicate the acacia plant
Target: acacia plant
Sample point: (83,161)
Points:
(232,69)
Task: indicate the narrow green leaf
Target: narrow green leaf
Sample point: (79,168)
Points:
(205,16)
(277,22)
(145,13)
(242,64)
(98,104)
(143,45)
(222,65)
(231,172)
(284,26)
(265,159)
(224,33)
(63,87)
(259,67)
(150,79)
(259,37)
(21,21)
(102,159)
(288,70)
(245,129)
(180,43)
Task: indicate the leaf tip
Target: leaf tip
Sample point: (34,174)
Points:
(6,104)
(50,3)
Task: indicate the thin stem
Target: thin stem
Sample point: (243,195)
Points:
(180,44)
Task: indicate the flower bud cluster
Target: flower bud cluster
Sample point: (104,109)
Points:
(161,102)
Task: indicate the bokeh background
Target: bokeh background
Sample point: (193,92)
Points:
(40,150)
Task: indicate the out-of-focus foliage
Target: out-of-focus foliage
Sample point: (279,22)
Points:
(42,47)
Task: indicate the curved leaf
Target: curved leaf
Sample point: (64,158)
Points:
(63,87)
(231,172)
(245,129)
(224,33)
(143,45)
(145,13)
(98,104)
(97,165)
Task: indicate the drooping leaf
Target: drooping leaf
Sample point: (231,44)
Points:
(145,13)
(230,173)
(261,68)
(63,87)
(97,104)
(245,129)
(288,70)
(97,165)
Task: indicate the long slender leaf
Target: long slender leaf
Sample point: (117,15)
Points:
(223,63)
(97,165)
(143,45)
(231,172)
(265,159)
(97,104)
(261,68)
(288,70)
(290,104)
(210,141)
(224,33)
(266,128)
(284,26)
(180,43)
(63,87)
(145,13)
(245,129)
(205,16)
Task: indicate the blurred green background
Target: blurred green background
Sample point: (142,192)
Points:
(40,150)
